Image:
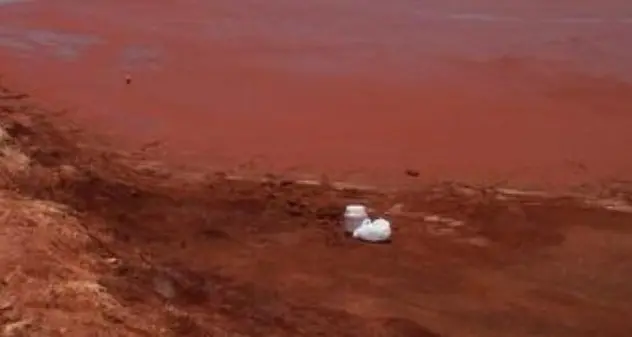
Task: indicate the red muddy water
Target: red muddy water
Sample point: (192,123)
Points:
(96,243)
(481,90)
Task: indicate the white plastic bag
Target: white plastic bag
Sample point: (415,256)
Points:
(373,231)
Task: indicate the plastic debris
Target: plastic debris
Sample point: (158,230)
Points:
(373,231)
(354,217)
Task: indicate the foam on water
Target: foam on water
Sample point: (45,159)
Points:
(482,17)
(63,45)
(9,2)
(138,56)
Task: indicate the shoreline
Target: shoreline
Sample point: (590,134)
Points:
(108,242)
(205,197)
(613,194)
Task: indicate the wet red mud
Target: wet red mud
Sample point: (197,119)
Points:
(189,254)
(532,94)
(200,255)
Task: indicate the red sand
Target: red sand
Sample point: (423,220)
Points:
(353,90)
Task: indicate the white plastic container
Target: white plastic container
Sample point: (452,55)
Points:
(354,216)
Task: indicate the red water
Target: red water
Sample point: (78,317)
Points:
(486,90)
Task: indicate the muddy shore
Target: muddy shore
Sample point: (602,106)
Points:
(98,242)
(181,169)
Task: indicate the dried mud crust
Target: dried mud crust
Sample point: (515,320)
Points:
(99,243)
